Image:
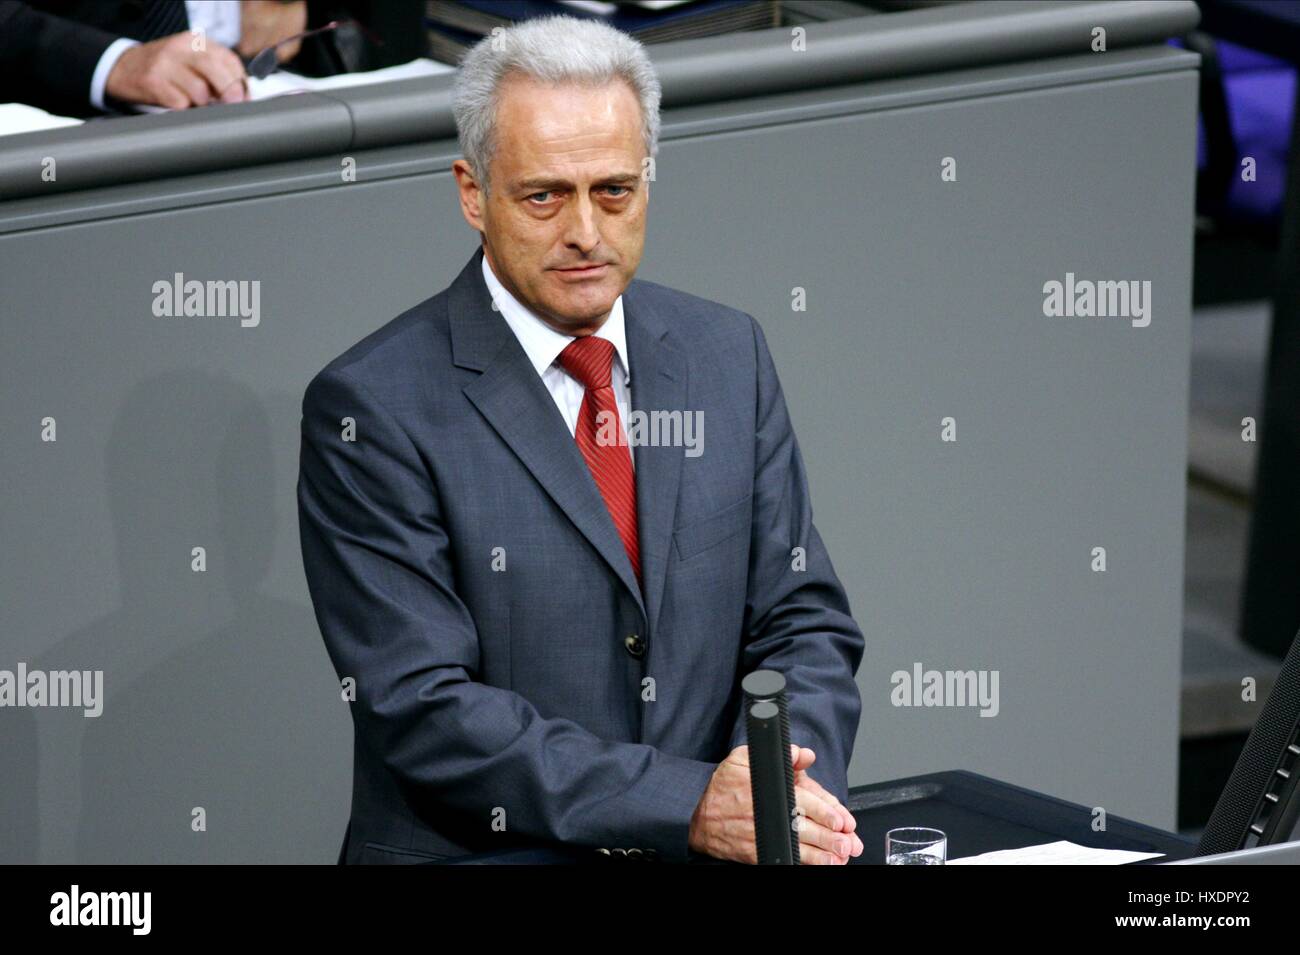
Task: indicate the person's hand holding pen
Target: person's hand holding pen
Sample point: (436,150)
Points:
(184,70)
(178,72)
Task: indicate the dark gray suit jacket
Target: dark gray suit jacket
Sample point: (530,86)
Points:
(513,684)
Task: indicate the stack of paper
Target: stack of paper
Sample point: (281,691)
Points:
(1056,853)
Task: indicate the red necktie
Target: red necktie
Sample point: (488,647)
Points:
(589,359)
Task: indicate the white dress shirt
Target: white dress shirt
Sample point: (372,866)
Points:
(543,345)
(219,19)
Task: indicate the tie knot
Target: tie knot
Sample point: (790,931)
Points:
(589,360)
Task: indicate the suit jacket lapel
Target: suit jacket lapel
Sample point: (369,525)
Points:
(659,383)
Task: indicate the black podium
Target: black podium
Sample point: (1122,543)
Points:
(977,813)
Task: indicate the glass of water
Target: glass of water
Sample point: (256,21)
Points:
(915,846)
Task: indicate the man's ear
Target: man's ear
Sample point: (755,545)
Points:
(471,196)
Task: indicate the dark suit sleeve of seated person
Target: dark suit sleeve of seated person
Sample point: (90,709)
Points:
(797,616)
(48,61)
(382,581)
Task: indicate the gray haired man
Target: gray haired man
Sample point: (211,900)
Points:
(547,618)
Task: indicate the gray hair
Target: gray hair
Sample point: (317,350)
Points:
(555,50)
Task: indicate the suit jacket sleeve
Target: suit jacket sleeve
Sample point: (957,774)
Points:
(48,61)
(381,572)
(798,620)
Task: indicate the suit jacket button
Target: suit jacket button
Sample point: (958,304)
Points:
(635,645)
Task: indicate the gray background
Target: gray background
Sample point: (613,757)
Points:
(924,300)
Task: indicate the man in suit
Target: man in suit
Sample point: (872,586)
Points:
(546,611)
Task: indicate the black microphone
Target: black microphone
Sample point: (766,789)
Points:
(771,775)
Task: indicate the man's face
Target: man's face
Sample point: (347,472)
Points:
(567,192)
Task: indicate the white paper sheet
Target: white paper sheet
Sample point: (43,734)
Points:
(1056,853)
(21,118)
(282,83)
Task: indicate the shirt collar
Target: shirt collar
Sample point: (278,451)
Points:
(540,341)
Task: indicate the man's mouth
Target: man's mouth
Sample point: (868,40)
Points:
(593,269)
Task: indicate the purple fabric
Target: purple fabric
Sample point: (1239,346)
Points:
(1261,97)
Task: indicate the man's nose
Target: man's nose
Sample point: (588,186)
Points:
(581,228)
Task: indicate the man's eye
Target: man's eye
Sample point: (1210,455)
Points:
(620,195)
(536,194)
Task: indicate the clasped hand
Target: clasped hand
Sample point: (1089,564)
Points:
(723,824)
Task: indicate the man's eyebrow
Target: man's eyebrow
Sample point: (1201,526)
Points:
(539,183)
